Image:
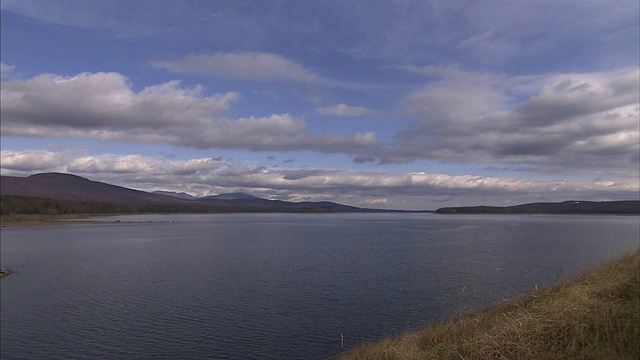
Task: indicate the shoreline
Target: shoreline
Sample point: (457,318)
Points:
(8,221)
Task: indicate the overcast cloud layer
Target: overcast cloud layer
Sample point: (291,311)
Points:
(414,104)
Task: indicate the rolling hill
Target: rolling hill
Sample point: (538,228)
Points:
(566,207)
(75,188)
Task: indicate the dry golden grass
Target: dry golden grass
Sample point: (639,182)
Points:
(594,317)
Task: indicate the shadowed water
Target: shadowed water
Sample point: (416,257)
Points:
(276,286)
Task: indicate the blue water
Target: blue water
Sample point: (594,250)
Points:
(276,286)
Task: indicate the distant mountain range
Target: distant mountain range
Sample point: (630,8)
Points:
(179,195)
(231,196)
(228,196)
(55,193)
(566,207)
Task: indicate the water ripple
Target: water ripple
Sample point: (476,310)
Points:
(265,287)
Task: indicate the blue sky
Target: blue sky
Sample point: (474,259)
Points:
(387,104)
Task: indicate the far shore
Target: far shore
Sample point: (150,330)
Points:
(27,220)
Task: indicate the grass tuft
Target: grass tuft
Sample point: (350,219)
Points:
(594,317)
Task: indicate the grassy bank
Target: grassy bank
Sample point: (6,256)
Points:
(594,317)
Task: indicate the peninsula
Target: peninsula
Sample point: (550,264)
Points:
(628,207)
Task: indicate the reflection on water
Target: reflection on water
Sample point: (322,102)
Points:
(275,286)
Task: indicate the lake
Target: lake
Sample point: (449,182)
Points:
(276,286)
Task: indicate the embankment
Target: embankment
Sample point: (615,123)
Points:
(596,316)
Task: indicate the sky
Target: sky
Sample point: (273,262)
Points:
(394,104)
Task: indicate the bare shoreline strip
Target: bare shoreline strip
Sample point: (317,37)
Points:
(28,220)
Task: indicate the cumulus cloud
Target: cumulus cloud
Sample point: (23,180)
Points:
(343,109)
(570,122)
(104,106)
(103,100)
(122,164)
(137,164)
(30,160)
(554,123)
(205,176)
(242,66)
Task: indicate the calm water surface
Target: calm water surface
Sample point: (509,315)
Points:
(276,286)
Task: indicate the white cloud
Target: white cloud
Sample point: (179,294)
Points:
(583,123)
(103,106)
(111,164)
(378,201)
(103,100)
(242,66)
(577,122)
(30,160)
(343,109)
(138,164)
(205,176)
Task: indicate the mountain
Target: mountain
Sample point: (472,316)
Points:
(255,204)
(566,207)
(179,195)
(55,193)
(230,196)
(75,188)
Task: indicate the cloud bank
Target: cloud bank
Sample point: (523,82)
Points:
(206,176)
(564,121)
(578,123)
